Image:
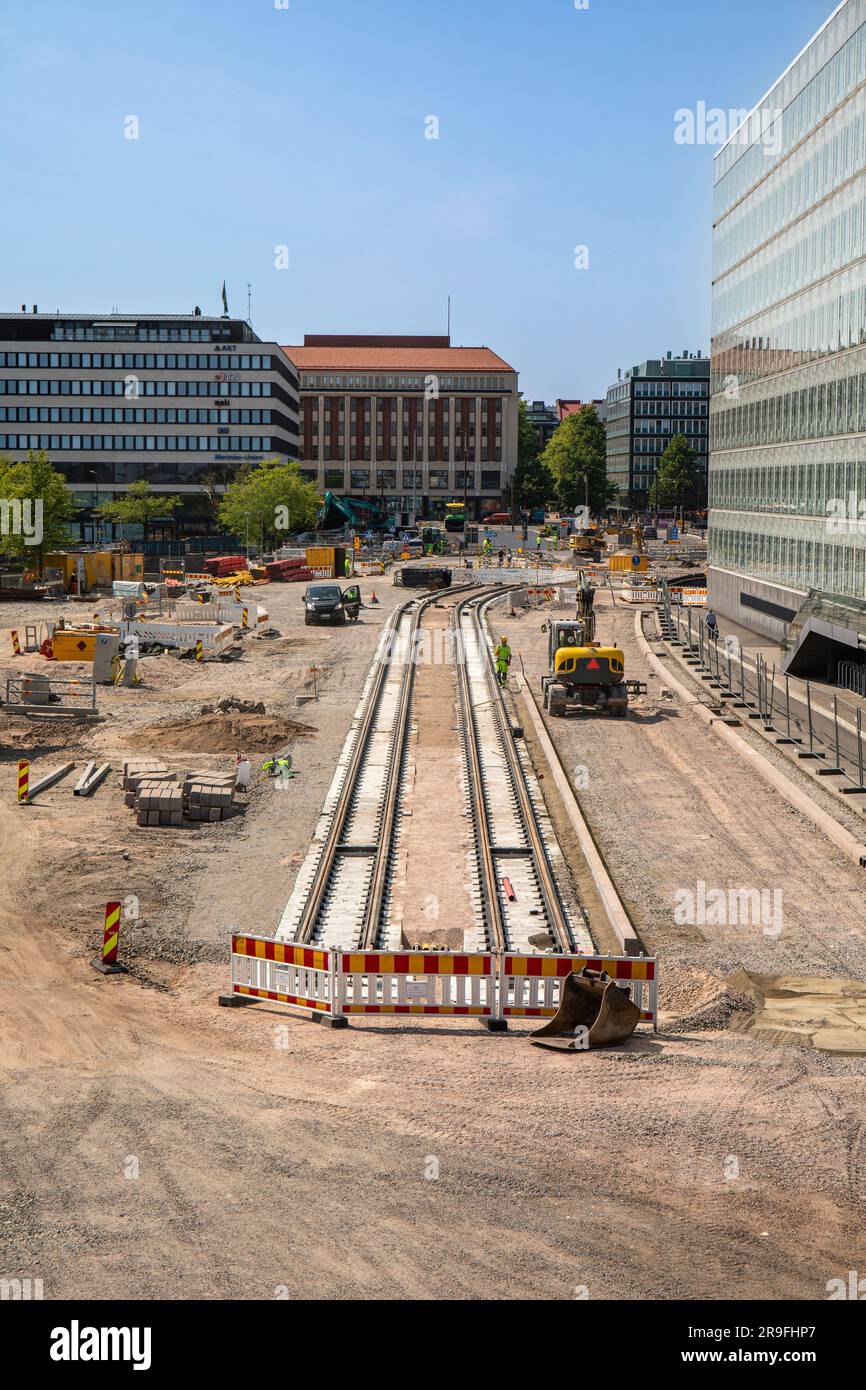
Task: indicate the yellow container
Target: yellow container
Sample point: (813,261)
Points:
(72,645)
(624,564)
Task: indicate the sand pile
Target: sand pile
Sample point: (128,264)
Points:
(220,733)
(692,998)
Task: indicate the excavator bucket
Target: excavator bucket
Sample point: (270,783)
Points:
(590,1001)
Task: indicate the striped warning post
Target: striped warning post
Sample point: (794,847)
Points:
(24,780)
(199,650)
(107,963)
(528,985)
(416,982)
(245,618)
(111,934)
(16,645)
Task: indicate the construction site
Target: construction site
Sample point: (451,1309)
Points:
(495,943)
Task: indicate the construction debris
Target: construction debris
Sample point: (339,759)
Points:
(90,779)
(48,780)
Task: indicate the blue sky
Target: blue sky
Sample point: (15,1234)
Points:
(305,127)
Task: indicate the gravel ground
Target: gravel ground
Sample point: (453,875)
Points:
(155,1145)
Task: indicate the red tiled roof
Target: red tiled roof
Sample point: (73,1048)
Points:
(570,407)
(371,359)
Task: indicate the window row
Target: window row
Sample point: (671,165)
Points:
(690,389)
(320,381)
(116,415)
(803,486)
(142,361)
(829,318)
(670,426)
(811,412)
(671,407)
(138,442)
(132,388)
(834,565)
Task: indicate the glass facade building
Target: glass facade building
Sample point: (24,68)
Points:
(787,483)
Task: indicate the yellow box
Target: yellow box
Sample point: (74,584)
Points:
(624,564)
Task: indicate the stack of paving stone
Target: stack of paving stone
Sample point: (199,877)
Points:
(208,795)
(162,797)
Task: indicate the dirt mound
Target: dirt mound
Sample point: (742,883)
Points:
(221,733)
(691,998)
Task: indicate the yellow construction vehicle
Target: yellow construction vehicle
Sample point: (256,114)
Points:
(584,674)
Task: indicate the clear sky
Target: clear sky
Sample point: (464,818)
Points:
(304,127)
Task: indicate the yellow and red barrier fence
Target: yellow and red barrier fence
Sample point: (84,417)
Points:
(299,976)
(416,982)
(493,986)
(529,986)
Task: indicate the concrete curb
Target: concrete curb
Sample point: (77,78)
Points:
(614,910)
(843,839)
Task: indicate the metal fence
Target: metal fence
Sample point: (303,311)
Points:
(824,727)
(851,675)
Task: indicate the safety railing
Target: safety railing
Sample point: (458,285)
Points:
(492,986)
(799,712)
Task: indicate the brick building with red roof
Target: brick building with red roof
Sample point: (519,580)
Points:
(411,420)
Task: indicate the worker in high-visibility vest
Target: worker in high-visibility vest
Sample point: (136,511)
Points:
(503,660)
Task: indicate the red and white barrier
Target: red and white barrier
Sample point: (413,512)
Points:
(466,984)
(529,986)
(416,982)
(299,976)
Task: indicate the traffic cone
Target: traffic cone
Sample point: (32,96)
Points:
(373,598)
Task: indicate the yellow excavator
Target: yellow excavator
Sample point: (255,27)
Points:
(584,674)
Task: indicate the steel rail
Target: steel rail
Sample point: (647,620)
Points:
(317,891)
(557,917)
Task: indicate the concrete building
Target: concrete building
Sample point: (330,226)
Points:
(653,402)
(787,521)
(411,420)
(544,419)
(113,398)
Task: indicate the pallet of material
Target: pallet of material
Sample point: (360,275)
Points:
(225,564)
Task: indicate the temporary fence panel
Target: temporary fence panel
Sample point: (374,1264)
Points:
(409,982)
(301,977)
(529,986)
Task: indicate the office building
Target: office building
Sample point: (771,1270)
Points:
(654,401)
(411,421)
(170,398)
(787,521)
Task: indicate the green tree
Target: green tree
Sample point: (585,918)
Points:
(679,483)
(575,456)
(36,508)
(532,485)
(269,502)
(139,506)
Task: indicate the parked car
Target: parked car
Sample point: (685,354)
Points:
(323,603)
(497,519)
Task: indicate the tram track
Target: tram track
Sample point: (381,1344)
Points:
(342,896)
